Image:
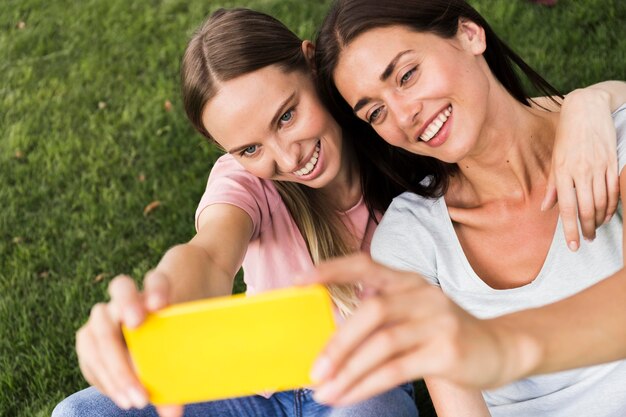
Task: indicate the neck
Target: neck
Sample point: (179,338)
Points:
(512,157)
(345,190)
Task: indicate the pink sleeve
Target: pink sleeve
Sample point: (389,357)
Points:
(229,183)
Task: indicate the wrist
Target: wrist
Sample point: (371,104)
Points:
(584,96)
(520,351)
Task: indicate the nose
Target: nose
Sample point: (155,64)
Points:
(286,154)
(404,109)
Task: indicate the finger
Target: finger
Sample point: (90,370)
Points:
(568,212)
(586,210)
(115,360)
(374,314)
(361,268)
(87,354)
(600,198)
(156,290)
(612,186)
(95,359)
(126,303)
(389,375)
(550,197)
(170,410)
(382,347)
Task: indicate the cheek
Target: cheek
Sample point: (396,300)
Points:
(317,120)
(390,134)
(259,168)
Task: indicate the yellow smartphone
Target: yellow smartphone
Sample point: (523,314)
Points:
(231,346)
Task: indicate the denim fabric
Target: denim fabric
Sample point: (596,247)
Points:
(297,403)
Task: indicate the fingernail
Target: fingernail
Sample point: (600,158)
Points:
(543,205)
(573,246)
(138,399)
(608,219)
(122,401)
(132,319)
(155,301)
(321,369)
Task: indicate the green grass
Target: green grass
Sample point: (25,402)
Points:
(86,144)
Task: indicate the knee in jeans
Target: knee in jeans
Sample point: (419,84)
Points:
(68,408)
(395,403)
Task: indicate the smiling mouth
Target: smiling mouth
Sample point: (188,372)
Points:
(435,126)
(310,165)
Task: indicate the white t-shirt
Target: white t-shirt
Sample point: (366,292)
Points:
(417,234)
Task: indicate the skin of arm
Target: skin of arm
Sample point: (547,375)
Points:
(451,400)
(584,155)
(207,264)
(203,267)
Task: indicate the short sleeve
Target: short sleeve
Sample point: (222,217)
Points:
(230,183)
(402,242)
(619,118)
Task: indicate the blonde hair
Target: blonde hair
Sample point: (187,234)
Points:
(235,42)
(325,234)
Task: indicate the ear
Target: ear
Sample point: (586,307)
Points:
(308,49)
(472,36)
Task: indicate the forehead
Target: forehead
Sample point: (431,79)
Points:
(364,60)
(244,106)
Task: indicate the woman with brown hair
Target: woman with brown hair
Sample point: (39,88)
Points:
(431,77)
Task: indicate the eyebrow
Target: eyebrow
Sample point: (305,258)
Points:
(281,109)
(279,113)
(383,77)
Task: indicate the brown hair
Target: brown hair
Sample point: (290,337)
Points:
(347,19)
(235,42)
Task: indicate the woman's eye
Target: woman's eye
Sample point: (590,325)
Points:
(374,115)
(287,116)
(407,76)
(249,151)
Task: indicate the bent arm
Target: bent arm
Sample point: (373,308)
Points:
(613,92)
(583,175)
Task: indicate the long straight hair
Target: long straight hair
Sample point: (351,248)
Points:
(235,42)
(347,19)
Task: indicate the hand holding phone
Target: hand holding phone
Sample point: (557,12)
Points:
(231,346)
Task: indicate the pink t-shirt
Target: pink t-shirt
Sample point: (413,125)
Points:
(277,250)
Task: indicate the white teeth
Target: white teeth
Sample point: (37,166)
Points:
(433,128)
(311,164)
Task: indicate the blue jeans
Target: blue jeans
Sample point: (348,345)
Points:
(398,402)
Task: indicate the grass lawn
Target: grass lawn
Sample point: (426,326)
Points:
(87,142)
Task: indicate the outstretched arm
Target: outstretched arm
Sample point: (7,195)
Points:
(409,329)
